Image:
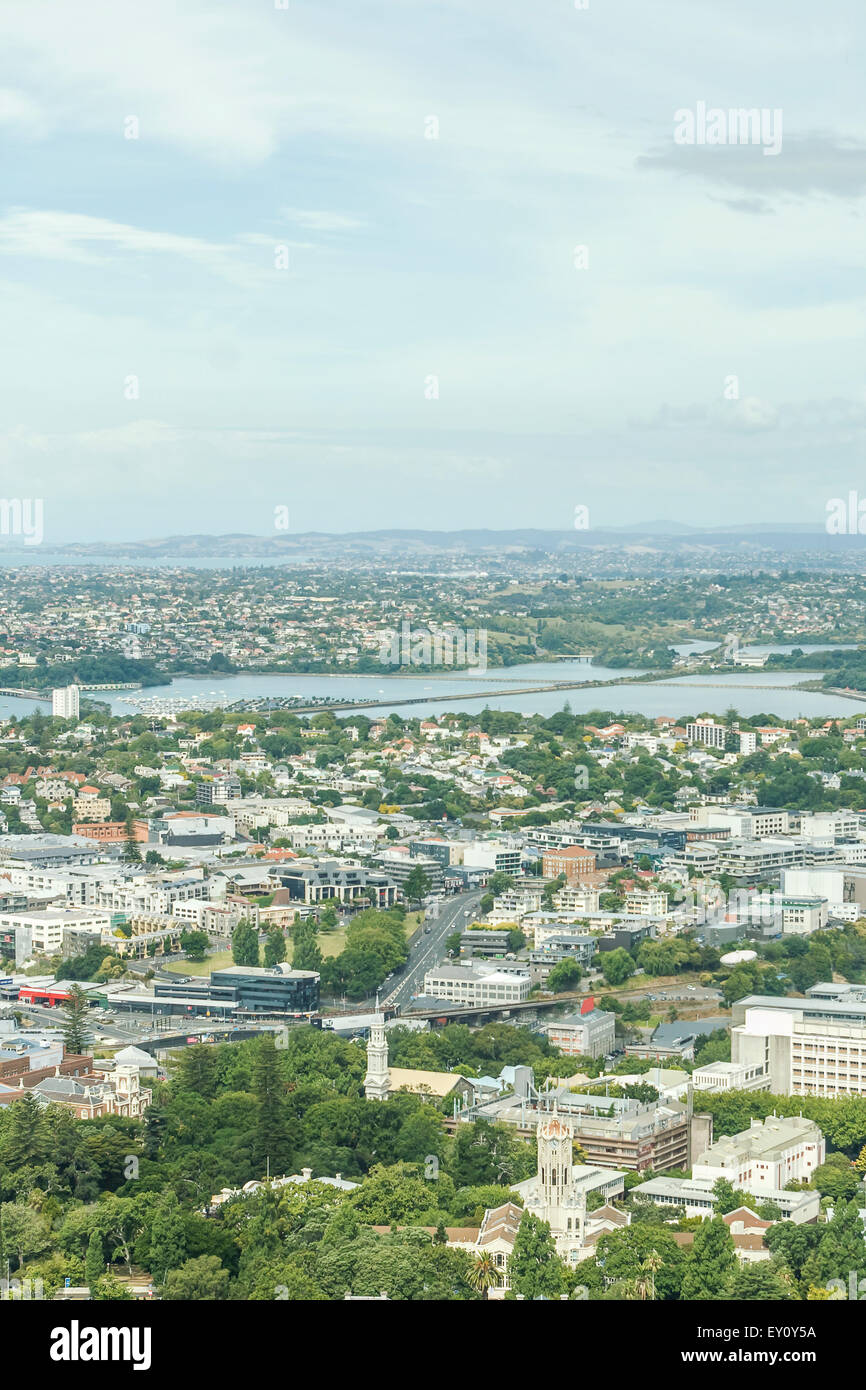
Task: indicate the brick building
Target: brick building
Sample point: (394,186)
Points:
(573,861)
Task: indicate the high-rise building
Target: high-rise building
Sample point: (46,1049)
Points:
(808,1047)
(64,702)
(707,731)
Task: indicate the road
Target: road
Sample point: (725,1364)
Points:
(428,951)
(111,1030)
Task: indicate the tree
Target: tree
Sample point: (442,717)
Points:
(306,954)
(769,1211)
(483,1274)
(201,1278)
(196,1071)
(623,1254)
(94,1264)
(26,1139)
(617,966)
(270,1141)
(245,943)
(836,1178)
(131,852)
(762,1282)
(275,946)
(728,1198)
(534,1267)
(840,1249)
(24,1231)
(167,1239)
(195,943)
(564,976)
(711,1263)
(417,884)
(76,1034)
(328,919)
(651,1265)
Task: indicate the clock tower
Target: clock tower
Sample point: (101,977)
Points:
(554,1196)
(377,1082)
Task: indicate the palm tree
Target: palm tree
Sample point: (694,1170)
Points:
(484,1275)
(651,1265)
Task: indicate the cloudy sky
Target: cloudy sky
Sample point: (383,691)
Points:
(242,247)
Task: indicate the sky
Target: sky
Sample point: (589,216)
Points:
(324,263)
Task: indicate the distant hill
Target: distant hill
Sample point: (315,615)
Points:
(652,535)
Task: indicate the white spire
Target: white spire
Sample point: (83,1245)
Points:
(377,1082)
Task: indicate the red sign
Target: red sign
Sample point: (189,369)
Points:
(588,1005)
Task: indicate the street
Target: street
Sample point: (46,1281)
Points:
(428,951)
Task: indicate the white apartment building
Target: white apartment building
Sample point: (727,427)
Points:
(572,898)
(46,927)
(730,1076)
(584,1035)
(756,859)
(477,985)
(844,824)
(766,1156)
(90,804)
(65,702)
(816,883)
(646,902)
(492,855)
(744,822)
(708,732)
(809,1047)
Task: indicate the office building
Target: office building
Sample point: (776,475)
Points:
(478,985)
(589,1034)
(813,1046)
(766,1156)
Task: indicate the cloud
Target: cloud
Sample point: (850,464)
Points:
(68,236)
(807,166)
(321,221)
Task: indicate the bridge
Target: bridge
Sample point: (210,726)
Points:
(465,1012)
(241,706)
(24,694)
(113,685)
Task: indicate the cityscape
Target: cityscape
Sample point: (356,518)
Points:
(432,673)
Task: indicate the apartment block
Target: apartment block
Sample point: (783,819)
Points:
(572,861)
(708,732)
(589,1034)
(766,1156)
(478,985)
(814,1046)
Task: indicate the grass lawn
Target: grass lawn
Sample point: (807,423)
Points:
(414,921)
(217,961)
(330,943)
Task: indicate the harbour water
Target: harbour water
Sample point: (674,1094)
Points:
(748,691)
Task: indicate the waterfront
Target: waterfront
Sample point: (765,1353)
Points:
(749,691)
